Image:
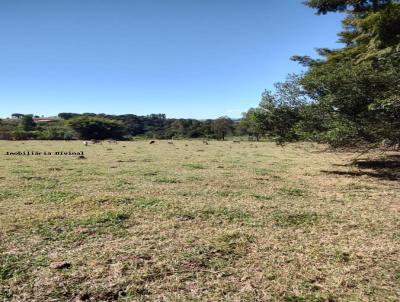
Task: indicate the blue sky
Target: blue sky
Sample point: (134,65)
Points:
(185,58)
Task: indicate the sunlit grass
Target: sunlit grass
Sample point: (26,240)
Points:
(194,222)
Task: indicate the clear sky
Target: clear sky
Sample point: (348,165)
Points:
(185,58)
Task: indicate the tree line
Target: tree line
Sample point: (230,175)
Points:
(68,126)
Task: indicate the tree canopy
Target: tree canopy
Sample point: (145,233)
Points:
(350,95)
(92,127)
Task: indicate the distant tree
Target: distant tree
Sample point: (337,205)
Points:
(17,115)
(279,112)
(58,133)
(252,123)
(222,127)
(67,115)
(133,123)
(89,127)
(27,123)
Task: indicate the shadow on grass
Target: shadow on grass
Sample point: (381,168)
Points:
(387,168)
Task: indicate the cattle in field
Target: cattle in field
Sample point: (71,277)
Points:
(152,142)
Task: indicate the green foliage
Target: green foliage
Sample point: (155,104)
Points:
(59,133)
(97,127)
(27,122)
(351,95)
(7,266)
(251,123)
(222,127)
(325,6)
(17,115)
(150,126)
(67,116)
(278,113)
(20,134)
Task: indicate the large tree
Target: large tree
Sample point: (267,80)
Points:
(355,89)
(89,127)
(222,126)
(325,6)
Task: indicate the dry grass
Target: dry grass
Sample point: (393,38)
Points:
(188,222)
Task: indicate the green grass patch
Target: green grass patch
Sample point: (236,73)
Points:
(225,214)
(7,194)
(13,266)
(8,266)
(287,219)
(148,203)
(232,243)
(57,196)
(69,230)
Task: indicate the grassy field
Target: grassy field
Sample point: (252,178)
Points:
(194,222)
